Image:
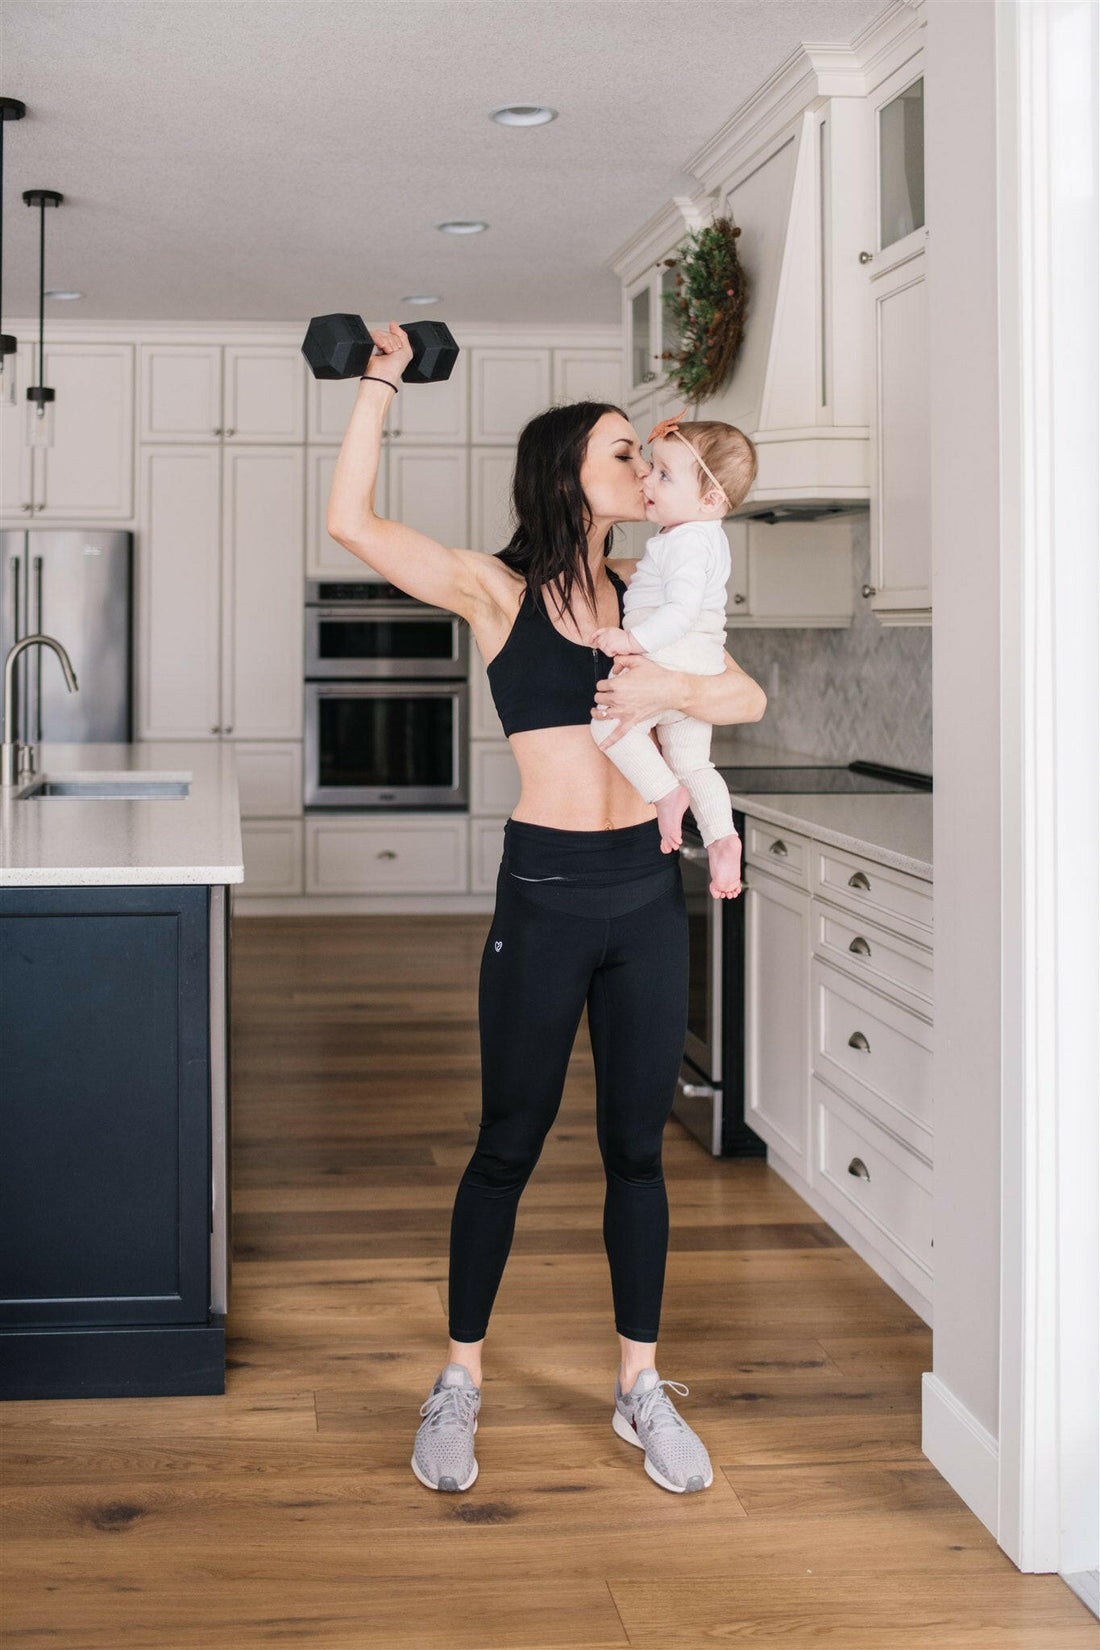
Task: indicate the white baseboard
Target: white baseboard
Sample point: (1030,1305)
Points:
(960,1449)
(1086,1584)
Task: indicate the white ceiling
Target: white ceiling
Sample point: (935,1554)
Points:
(266,160)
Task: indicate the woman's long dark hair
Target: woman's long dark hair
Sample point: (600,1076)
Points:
(550,543)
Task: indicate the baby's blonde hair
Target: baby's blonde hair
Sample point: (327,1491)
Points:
(728,452)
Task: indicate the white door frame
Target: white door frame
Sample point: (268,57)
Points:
(1049,1455)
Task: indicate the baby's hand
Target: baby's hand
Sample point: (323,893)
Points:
(613,641)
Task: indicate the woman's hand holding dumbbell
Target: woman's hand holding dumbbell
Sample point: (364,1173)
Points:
(394,354)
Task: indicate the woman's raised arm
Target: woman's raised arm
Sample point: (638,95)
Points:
(640,688)
(415,563)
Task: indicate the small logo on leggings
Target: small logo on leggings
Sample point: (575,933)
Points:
(498,945)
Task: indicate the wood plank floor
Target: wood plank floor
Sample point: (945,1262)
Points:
(286,1511)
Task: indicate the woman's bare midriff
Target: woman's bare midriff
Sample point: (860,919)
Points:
(570,784)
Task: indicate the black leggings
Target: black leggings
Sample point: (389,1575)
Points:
(581,916)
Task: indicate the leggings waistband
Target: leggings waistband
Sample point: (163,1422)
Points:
(584,859)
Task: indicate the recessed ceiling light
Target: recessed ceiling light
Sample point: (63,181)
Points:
(419,299)
(523,114)
(462,226)
(64,295)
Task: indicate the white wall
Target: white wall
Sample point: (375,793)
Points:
(960,138)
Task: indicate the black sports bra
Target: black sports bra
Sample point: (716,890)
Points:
(540,679)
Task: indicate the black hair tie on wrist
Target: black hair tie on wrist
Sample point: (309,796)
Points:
(373,378)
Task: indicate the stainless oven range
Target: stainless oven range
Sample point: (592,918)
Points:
(386,699)
(710,1098)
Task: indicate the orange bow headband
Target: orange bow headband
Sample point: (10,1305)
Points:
(666,428)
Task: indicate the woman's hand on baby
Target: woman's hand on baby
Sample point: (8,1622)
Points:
(637,688)
(614,642)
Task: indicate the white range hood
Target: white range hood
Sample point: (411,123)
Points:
(794,169)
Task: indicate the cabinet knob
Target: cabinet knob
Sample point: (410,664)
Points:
(29,507)
(859,1168)
(858,880)
(218,432)
(738,598)
(779,847)
(229,729)
(230,432)
(860,947)
(866,257)
(215,730)
(869,590)
(859,1041)
(385,853)
(648,377)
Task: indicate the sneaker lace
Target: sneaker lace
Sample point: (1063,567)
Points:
(451,1403)
(657,1411)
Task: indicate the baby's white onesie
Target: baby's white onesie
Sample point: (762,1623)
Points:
(675,606)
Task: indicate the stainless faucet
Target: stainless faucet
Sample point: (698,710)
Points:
(17,759)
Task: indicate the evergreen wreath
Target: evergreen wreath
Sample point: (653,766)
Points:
(708,307)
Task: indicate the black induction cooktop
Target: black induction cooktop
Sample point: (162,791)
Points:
(825,779)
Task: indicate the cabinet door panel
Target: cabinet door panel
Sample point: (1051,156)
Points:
(588,375)
(265,392)
(262,590)
(427,487)
(88,473)
(900,519)
(269,778)
(509,387)
(491,471)
(324,557)
(777,1005)
(181,392)
(272,856)
(432,412)
(495,780)
(178,562)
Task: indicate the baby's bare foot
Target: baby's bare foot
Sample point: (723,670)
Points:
(670,812)
(724,859)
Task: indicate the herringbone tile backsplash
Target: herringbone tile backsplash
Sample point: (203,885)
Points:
(864,692)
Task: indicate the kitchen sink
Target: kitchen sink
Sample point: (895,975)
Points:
(132,786)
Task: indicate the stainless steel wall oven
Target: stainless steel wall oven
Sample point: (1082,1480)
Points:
(386,699)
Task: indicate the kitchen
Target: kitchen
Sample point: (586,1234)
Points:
(881,521)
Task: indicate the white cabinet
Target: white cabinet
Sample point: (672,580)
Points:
(486,848)
(649,331)
(418,413)
(491,520)
(220,592)
(484,721)
(777,1015)
(269,778)
(588,375)
(87,475)
(397,854)
(507,388)
(325,558)
(209,392)
(494,780)
(272,857)
(427,491)
(901,530)
(795,574)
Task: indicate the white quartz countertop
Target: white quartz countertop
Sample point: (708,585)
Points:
(62,841)
(892,828)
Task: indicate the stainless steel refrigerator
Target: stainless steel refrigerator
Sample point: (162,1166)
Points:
(77,586)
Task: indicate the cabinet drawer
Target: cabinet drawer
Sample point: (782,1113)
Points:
(494,778)
(894,898)
(883,1189)
(486,848)
(272,856)
(404,854)
(778,850)
(269,778)
(875,1053)
(873,954)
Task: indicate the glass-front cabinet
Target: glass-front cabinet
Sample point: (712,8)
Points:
(899,165)
(650,329)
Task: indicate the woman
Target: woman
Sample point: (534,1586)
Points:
(589,911)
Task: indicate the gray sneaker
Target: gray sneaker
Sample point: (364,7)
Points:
(675,1457)
(443,1455)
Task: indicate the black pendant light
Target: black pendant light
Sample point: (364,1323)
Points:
(40,398)
(10,109)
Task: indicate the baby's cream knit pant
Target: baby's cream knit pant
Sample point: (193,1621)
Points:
(684,755)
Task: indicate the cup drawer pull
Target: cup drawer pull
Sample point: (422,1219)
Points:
(858,1040)
(858,880)
(779,847)
(860,947)
(859,1168)
(385,853)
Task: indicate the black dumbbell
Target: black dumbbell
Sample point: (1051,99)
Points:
(339,346)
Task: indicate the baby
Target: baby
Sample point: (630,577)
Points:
(674,611)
